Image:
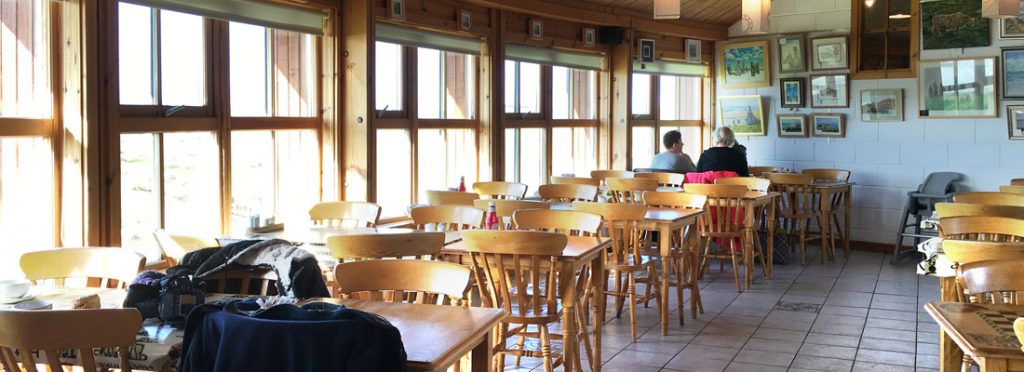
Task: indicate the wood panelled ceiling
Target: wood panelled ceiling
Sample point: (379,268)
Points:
(719,12)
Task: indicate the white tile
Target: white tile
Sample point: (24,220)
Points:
(801,150)
(842,151)
(973,155)
(949,130)
(878,152)
(904,132)
(900,176)
(1012,155)
(934,154)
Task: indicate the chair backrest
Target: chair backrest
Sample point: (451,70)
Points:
(51,332)
(575,181)
(603,174)
(760,171)
(439,197)
(415,281)
(105,264)
(447,217)
(752,183)
(621,224)
(567,193)
(964,251)
(992,229)
(678,200)
(828,174)
(992,282)
(506,208)
(500,190)
(630,190)
(797,196)
(946,210)
(664,179)
(1012,189)
(176,246)
(345,214)
(991,198)
(517,271)
(939,183)
(258,282)
(566,222)
(357,247)
(723,215)
(1017,182)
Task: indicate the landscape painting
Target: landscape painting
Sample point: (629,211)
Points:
(743,114)
(881,105)
(947,24)
(1011,28)
(828,125)
(1015,121)
(830,91)
(745,65)
(1013,73)
(957,88)
(792,126)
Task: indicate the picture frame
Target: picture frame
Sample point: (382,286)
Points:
(744,65)
(940,94)
(879,105)
(396,9)
(953,24)
(1012,72)
(791,125)
(465,20)
(792,92)
(830,53)
(647,50)
(743,114)
(1015,121)
(693,51)
(830,91)
(589,36)
(536,29)
(829,125)
(1011,28)
(792,57)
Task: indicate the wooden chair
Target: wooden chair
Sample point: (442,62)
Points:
(684,261)
(358,247)
(575,181)
(438,197)
(992,198)
(992,229)
(105,264)
(723,220)
(1012,189)
(447,217)
(760,171)
(752,183)
(176,246)
(345,214)
(573,223)
(602,175)
(630,190)
(506,208)
(567,193)
(1017,182)
(992,281)
(500,190)
(621,222)
(664,179)
(258,282)
(797,205)
(828,174)
(966,251)
(413,281)
(52,332)
(947,210)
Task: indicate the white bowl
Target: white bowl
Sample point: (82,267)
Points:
(14,288)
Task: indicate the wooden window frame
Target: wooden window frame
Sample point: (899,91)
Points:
(856,15)
(654,119)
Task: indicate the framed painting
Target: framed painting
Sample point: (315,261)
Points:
(829,125)
(830,91)
(647,50)
(1012,28)
(881,105)
(1015,121)
(948,24)
(792,125)
(589,36)
(396,9)
(830,53)
(745,65)
(743,114)
(693,50)
(792,91)
(1013,72)
(945,89)
(465,20)
(791,54)
(536,29)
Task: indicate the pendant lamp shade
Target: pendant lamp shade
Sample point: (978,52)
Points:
(755,16)
(666,9)
(1000,8)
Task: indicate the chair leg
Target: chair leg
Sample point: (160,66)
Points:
(735,264)
(545,347)
(619,290)
(705,264)
(802,227)
(502,339)
(899,237)
(519,345)
(679,265)
(632,305)
(694,287)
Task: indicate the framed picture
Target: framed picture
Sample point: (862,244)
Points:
(830,91)
(791,54)
(693,51)
(743,114)
(881,105)
(536,29)
(829,125)
(396,9)
(944,90)
(1015,121)
(829,53)
(947,24)
(745,65)
(646,50)
(589,36)
(792,91)
(1013,72)
(792,125)
(1012,28)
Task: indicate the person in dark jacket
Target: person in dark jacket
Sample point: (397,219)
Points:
(723,157)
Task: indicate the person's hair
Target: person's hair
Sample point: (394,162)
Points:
(671,138)
(724,136)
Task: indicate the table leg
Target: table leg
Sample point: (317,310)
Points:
(570,346)
(950,355)
(749,226)
(771,239)
(665,248)
(695,258)
(847,206)
(600,283)
(482,355)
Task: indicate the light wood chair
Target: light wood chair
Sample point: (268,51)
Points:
(630,190)
(797,205)
(723,220)
(500,190)
(752,183)
(176,246)
(1012,189)
(602,175)
(413,281)
(506,208)
(947,210)
(346,214)
(52,332)
(685,259)
(992,198)
(664,179)
(105,264)
(447,217)
(575,181)
(991,281)
(1017,182)
(992,229)
(965,251)
(358,247)
(828,174)
(573,223)
(567,193)
(626,259)
(439,197)
(760,171)
(258,282)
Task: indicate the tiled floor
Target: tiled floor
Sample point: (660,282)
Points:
(859,314)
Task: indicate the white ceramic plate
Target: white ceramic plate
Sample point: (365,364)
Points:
(13,300)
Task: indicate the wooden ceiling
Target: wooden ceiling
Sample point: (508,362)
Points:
(718,12)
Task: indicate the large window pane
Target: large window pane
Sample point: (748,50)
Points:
(273,173)
(679,98)
(249,53)
(644,147)
(641,97)
(140,189)
(191,183)
(524,157)
(135,55)
(446,84)
(573,93)
(180,75)
(522,87)
(182,59)
(394,171)
(272,72)
(388,77)
(25,59)
(445,156)
(573,151)
(26,199)
(692,140)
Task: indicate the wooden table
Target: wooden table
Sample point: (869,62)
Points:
(980,331)
(578,253)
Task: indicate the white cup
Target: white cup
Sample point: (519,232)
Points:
(14,288)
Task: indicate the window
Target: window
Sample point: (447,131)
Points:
(273,174)
(661,103)
(679,98)
(641,97)
(645,145)
(445,156)
(522,87)
(162,59)
(26,198)
(273,72)
(882,31)
(388,77)
(25,60)
(445,85)
(576,151)
(394,171)
(524,157)
(574,93)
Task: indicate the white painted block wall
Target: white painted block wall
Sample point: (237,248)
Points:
(887,159)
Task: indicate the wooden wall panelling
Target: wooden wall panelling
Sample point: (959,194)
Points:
(68,111)
(357,102)
(621,67)
(439,15)
(330,129)
(101,26)
(492,104)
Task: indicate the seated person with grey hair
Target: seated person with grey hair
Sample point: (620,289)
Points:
(723,157)
(673,157)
